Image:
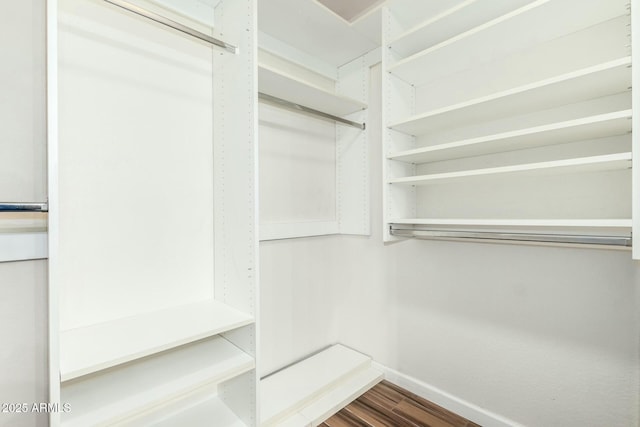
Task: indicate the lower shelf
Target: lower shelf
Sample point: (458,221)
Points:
(210,411)
(97,347)
(128,390)
(310,391)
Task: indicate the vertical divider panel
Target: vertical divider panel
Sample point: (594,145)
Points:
(52,166)
(352,153)
(398,98)
(236,189)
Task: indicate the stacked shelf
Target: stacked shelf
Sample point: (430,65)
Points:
(597,126)
(114,395)
(592,82)
(544,19)
(584,164)
(101,346)
(573,118)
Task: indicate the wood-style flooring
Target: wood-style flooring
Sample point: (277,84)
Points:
(387,405)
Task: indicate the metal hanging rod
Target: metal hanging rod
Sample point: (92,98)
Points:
(24,207)
(625,241)
(306,110)
(173,24)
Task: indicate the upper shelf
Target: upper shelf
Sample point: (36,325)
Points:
(451,22)
(113,395)
(588,83)
(281,85)
(592,127)
(543,19)
(96,347)
(583,164)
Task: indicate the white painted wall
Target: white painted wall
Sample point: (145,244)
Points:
(23,285)
(542,336)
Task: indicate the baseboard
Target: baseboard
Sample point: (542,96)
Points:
(459,406)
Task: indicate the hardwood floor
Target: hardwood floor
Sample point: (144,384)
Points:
(387,405)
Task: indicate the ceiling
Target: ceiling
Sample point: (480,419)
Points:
(312,28)
(352,9)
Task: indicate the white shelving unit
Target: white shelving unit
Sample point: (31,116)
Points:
(152,303)
(549,122)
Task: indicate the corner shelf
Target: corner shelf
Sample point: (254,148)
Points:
(592,127)
(97,347)
(546,20)
(114,395)
(584,164)
(592,82)
(281,85)
(456,20)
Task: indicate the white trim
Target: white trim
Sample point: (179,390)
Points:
(52,172)
(448,401)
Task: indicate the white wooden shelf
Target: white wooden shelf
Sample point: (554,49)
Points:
(543,19)
(288,392)
(533,223)
(116,394)
(576,165)
(456,20)
(97,347)
(588,83)
(281,85)
(592,127)
(203,414)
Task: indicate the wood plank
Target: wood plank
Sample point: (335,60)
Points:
(344,419)
(409,410)
(431,407)
(375,417)
(387,405)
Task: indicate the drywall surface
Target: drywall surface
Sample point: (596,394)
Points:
(543,336)
(23,285)
(23,353)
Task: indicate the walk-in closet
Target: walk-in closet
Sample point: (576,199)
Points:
(302,213)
